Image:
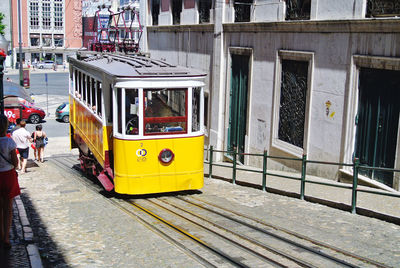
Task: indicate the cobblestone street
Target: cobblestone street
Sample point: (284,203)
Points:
(76,227)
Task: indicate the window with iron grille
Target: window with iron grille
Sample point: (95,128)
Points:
(35,40)
(155,11)
(58,41)
(243,10)
(34,15)
(293,97)
(176,11)
(298,9)
(383,8)
(204,11)
(46,40)
(58,16)
(46,15)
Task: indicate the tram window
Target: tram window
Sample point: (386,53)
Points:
(93,95)
(165,111)
(131,111)
(84,88)
(206,110)
(87,90)
(119,104)
(196,109)
(110,116)
(98,96)
(79,85)
(76,83)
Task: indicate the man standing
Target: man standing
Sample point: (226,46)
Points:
(17,125)
(22,138)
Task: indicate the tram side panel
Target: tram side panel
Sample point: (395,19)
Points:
(138,170)
(88,132)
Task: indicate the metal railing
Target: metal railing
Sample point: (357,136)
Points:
(355,165)
(298,9)
(383,8)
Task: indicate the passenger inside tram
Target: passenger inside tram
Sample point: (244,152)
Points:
(165,111)
(131,111)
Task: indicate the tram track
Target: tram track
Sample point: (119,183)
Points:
(69,165)
(225,211)
(233,238)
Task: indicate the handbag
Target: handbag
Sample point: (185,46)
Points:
(45,141)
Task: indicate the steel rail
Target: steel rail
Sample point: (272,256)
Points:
(147,224)
(187,234)
(316,242)
(355,256)
(286,240)
(264,246)
(172,226)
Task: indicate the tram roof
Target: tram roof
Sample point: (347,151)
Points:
(125,65)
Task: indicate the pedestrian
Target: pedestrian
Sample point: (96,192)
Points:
(39,140)
(17,126)
(9,79)
(9,187)
(33,145)
(22,138)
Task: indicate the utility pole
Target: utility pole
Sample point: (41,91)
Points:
(21,77)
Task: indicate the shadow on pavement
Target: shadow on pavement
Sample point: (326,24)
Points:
(50,253)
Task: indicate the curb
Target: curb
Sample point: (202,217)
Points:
(31,248)
(16,72)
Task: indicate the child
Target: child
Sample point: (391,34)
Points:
(9,187)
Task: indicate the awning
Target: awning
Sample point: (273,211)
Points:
(13,89)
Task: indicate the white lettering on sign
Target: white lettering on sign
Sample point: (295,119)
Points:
(10,114)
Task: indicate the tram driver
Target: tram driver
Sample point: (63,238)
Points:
(131,111)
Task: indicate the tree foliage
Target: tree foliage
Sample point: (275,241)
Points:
(2,25)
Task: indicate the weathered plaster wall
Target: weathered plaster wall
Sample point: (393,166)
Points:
(269,10)
(189,16)
(330,78)
(189,48)
(340,9)
(333,44)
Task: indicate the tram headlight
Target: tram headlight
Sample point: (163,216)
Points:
(166,156)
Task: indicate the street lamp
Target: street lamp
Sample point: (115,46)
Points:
(3,54)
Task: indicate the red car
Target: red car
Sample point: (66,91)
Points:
(25,110)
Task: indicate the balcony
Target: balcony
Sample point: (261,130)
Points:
(298,9)
(383,8)
(243,10)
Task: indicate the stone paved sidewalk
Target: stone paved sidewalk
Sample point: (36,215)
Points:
(72,226)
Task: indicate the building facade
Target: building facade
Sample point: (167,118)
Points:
(5,8)
(293,77)
(50,29)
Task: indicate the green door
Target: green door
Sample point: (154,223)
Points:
(377,122)
(238,104)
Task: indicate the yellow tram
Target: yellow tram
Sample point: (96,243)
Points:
(138,122)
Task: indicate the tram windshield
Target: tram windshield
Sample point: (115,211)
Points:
(131,112)
(165,111)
